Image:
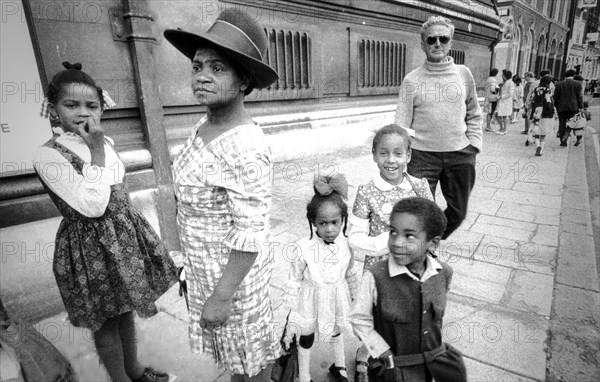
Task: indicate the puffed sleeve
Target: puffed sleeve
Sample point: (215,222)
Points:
(295,277)
(360,209)
(88,193)
(246,176)
(358,234)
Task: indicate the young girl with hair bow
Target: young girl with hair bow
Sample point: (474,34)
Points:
(322,277)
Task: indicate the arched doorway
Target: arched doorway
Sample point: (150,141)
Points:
(527,52)
(551,59)
(539,60)
(558,59)
(516,50)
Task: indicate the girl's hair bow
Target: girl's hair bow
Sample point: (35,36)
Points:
(325,185)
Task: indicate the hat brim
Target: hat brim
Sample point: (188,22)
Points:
(188,43)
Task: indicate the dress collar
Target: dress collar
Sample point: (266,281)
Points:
(322,242)
(431,269)
(58,130)
(382,185)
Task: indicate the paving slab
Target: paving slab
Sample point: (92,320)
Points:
(506,232)
(527,213)
(530,292)
(539,188)
(482,192)
(576,199)
(495,220)
(577,262)
(524,256)
(481,372)
(528,198)
(574,355)
(479,280)
(502,338)
(576,306)
(546,235)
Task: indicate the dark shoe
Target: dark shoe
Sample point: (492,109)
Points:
(578,141)
(524,132)
(563,143)
(538,152)
(361,376)
(527,142)
(151,375)
(335,371)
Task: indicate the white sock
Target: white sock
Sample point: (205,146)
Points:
(303,364)
(362,354)
(340,356)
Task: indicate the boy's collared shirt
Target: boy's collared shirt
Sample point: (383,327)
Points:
(362,310)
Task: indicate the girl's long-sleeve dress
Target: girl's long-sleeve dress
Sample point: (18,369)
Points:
(320,279)
(107,258)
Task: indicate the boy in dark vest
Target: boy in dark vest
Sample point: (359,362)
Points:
(399,308)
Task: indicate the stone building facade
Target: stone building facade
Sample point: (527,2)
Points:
(538,35)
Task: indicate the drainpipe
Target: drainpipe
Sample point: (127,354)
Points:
(139,34)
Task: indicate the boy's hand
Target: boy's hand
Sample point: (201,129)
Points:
(386,354)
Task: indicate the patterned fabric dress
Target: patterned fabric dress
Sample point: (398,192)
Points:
(109,265)
(375,200)
(223,190)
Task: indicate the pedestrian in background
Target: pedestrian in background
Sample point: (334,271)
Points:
(322,277)
(399,309)
(505,103)
(223,190)
(447,127)
(568,100)
(108,261)
(543,114)
(369,220)
(527,91)
(491,90)
(517,99)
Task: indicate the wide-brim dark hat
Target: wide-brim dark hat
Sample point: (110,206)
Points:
(240,37)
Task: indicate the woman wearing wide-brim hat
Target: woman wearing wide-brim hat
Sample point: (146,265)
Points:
(223,188)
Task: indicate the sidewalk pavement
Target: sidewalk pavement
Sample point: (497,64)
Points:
(524,303)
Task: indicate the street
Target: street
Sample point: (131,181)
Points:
(524,301)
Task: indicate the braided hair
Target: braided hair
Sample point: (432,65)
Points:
(318,199)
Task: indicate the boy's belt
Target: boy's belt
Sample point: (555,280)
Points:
(419,358)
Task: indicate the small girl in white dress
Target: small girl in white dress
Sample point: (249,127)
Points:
(321,277)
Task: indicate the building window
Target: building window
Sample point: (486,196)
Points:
(290,54)
(380,63)
(458,56)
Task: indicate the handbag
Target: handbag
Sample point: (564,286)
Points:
(286,366)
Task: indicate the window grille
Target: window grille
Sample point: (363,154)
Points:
(290,54)
(458,56)
(380,63)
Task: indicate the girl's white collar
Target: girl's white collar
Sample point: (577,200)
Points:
(58,130)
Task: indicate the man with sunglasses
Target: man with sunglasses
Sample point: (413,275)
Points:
(439,107)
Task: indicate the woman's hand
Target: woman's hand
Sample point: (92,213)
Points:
(216,312)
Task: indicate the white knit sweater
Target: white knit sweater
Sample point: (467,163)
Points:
(441,107)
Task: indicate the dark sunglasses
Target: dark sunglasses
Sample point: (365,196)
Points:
(432,39)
